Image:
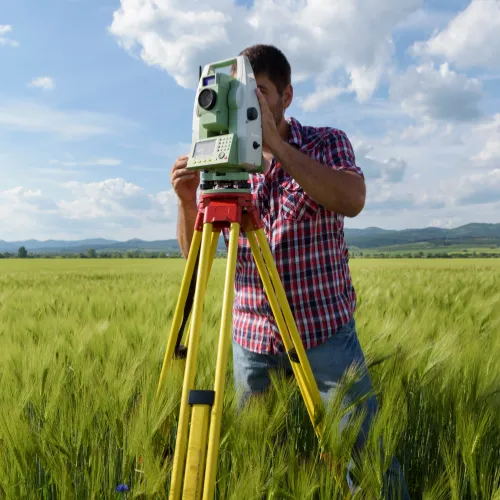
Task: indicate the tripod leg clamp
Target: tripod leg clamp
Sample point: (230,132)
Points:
(198,397)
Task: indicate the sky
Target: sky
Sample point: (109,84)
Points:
(96,100)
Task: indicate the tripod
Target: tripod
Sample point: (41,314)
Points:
(196,448)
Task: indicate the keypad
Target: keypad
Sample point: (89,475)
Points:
(224,144)
(223,147)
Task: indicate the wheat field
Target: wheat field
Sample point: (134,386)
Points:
(82,342)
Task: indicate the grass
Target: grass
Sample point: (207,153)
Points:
(83,342)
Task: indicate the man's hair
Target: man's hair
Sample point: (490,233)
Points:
(270,61)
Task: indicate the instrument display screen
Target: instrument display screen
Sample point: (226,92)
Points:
(205,148)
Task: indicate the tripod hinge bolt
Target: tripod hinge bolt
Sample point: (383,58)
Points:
(180,352)
(292,353)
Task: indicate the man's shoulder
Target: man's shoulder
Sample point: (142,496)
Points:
(319,136)
(323,131)
(328,144)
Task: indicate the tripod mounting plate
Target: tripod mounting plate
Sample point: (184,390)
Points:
(228,182)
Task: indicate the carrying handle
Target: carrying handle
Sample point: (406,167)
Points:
(222,64)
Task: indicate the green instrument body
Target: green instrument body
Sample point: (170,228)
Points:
(227,129)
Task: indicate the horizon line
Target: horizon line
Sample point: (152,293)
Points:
(175,238)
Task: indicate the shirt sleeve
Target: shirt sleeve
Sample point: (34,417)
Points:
(339,153)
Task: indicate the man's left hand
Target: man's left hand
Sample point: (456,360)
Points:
(271,138)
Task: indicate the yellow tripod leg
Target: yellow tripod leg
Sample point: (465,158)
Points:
(278,316)
(221,367)
(179,310)
(190,370)
(201,402)
(213,250)
(289,333)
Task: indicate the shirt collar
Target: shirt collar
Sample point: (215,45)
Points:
(296,136)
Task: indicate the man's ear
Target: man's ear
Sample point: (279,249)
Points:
(287,96)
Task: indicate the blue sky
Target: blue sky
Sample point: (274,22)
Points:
(96,100)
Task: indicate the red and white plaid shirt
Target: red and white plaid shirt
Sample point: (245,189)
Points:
(308,246)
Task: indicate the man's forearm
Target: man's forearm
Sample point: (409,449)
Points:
(188,212)
(337,190)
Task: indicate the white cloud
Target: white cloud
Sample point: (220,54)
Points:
(68,124)
(110,208)
(321,38)
(116,197)
(479,188)
(489,133)
(4,29)
(472,38)
(166,203)
(390,170)
(389,198)
(394,188)
(417,132)
(19,199)
(321,96)
(424,216)
(424,20)
(439,94)
(43,82)
(491,151)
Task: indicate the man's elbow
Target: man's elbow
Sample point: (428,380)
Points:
(354,210)
(358,203)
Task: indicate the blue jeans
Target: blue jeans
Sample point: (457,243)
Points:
(329,361)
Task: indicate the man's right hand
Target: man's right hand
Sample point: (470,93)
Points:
(185,182)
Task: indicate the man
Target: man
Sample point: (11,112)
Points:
(310,184)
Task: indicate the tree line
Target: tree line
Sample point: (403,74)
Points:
(91,253)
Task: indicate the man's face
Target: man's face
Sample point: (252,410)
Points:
(277,102)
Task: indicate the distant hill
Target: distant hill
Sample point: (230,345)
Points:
(100,245)
(473,235)
(55,245)
(476,234)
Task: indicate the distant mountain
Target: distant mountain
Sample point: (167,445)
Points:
(369,231)
(98,244)
(35,245)
(476,234)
